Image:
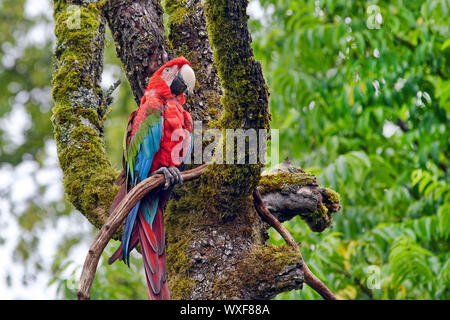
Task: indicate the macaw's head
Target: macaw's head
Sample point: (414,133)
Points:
(174,78)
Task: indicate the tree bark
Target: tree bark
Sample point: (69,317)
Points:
(216,241)
(138,31)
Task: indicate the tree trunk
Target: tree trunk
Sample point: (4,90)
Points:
(216,242)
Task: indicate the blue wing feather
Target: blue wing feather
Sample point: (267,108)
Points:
(129,226)
(143,162)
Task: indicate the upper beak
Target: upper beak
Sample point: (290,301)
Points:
(188,76)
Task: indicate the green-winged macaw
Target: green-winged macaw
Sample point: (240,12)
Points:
(158,139)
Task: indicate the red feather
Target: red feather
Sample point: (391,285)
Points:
(151,238)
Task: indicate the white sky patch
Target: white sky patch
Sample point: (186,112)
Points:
(19,184)
(50,175)
(35,8)
(5,177)
(15,123)
(257,12)
(11,54)
(389,129)
(39,35)
(42,97)
(422,95)
(376,53)
(376,87)
(399,84)
(331,72)
(111,73)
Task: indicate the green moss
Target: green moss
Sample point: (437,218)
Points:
(245,98)
(88,175)
(181,216)
(266,261)
(177,11)
(332,196)
(322,211)
(188,215)
(178,15)
(285,181)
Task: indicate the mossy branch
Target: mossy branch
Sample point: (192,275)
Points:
(309,277)
(288,191)
(245,99)
(138,32)
(77,115)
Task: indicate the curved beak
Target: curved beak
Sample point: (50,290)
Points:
(188,76)
(184,81)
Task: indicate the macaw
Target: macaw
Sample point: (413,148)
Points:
(158,139)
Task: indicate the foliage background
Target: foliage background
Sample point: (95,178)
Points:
(360,91)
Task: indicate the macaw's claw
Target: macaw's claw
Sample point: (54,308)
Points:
(177,175)
(172,176)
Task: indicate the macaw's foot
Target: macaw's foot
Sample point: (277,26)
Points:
(171,174)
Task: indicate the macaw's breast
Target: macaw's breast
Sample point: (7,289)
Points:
(176,137)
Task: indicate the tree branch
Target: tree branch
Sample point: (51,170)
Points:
(245,99)
(214,236)
(115,220)
(138,31)
(271,220)
(189,38)
(77,115)
(309,277)
(288,191)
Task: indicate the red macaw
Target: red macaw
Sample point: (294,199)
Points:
(158,139)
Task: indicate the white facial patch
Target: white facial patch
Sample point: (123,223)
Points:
(169,74)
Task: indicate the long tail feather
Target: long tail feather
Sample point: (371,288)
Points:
(129,228)
(154,256)
(120,195)
(118,254)
(145,225)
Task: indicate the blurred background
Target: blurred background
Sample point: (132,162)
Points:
(360,91)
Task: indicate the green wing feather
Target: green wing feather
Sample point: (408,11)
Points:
(151,128)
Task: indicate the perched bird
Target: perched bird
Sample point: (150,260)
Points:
(158,139)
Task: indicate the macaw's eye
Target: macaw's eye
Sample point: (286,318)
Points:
(167,70)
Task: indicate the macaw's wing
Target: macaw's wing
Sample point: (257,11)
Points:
(141,143)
